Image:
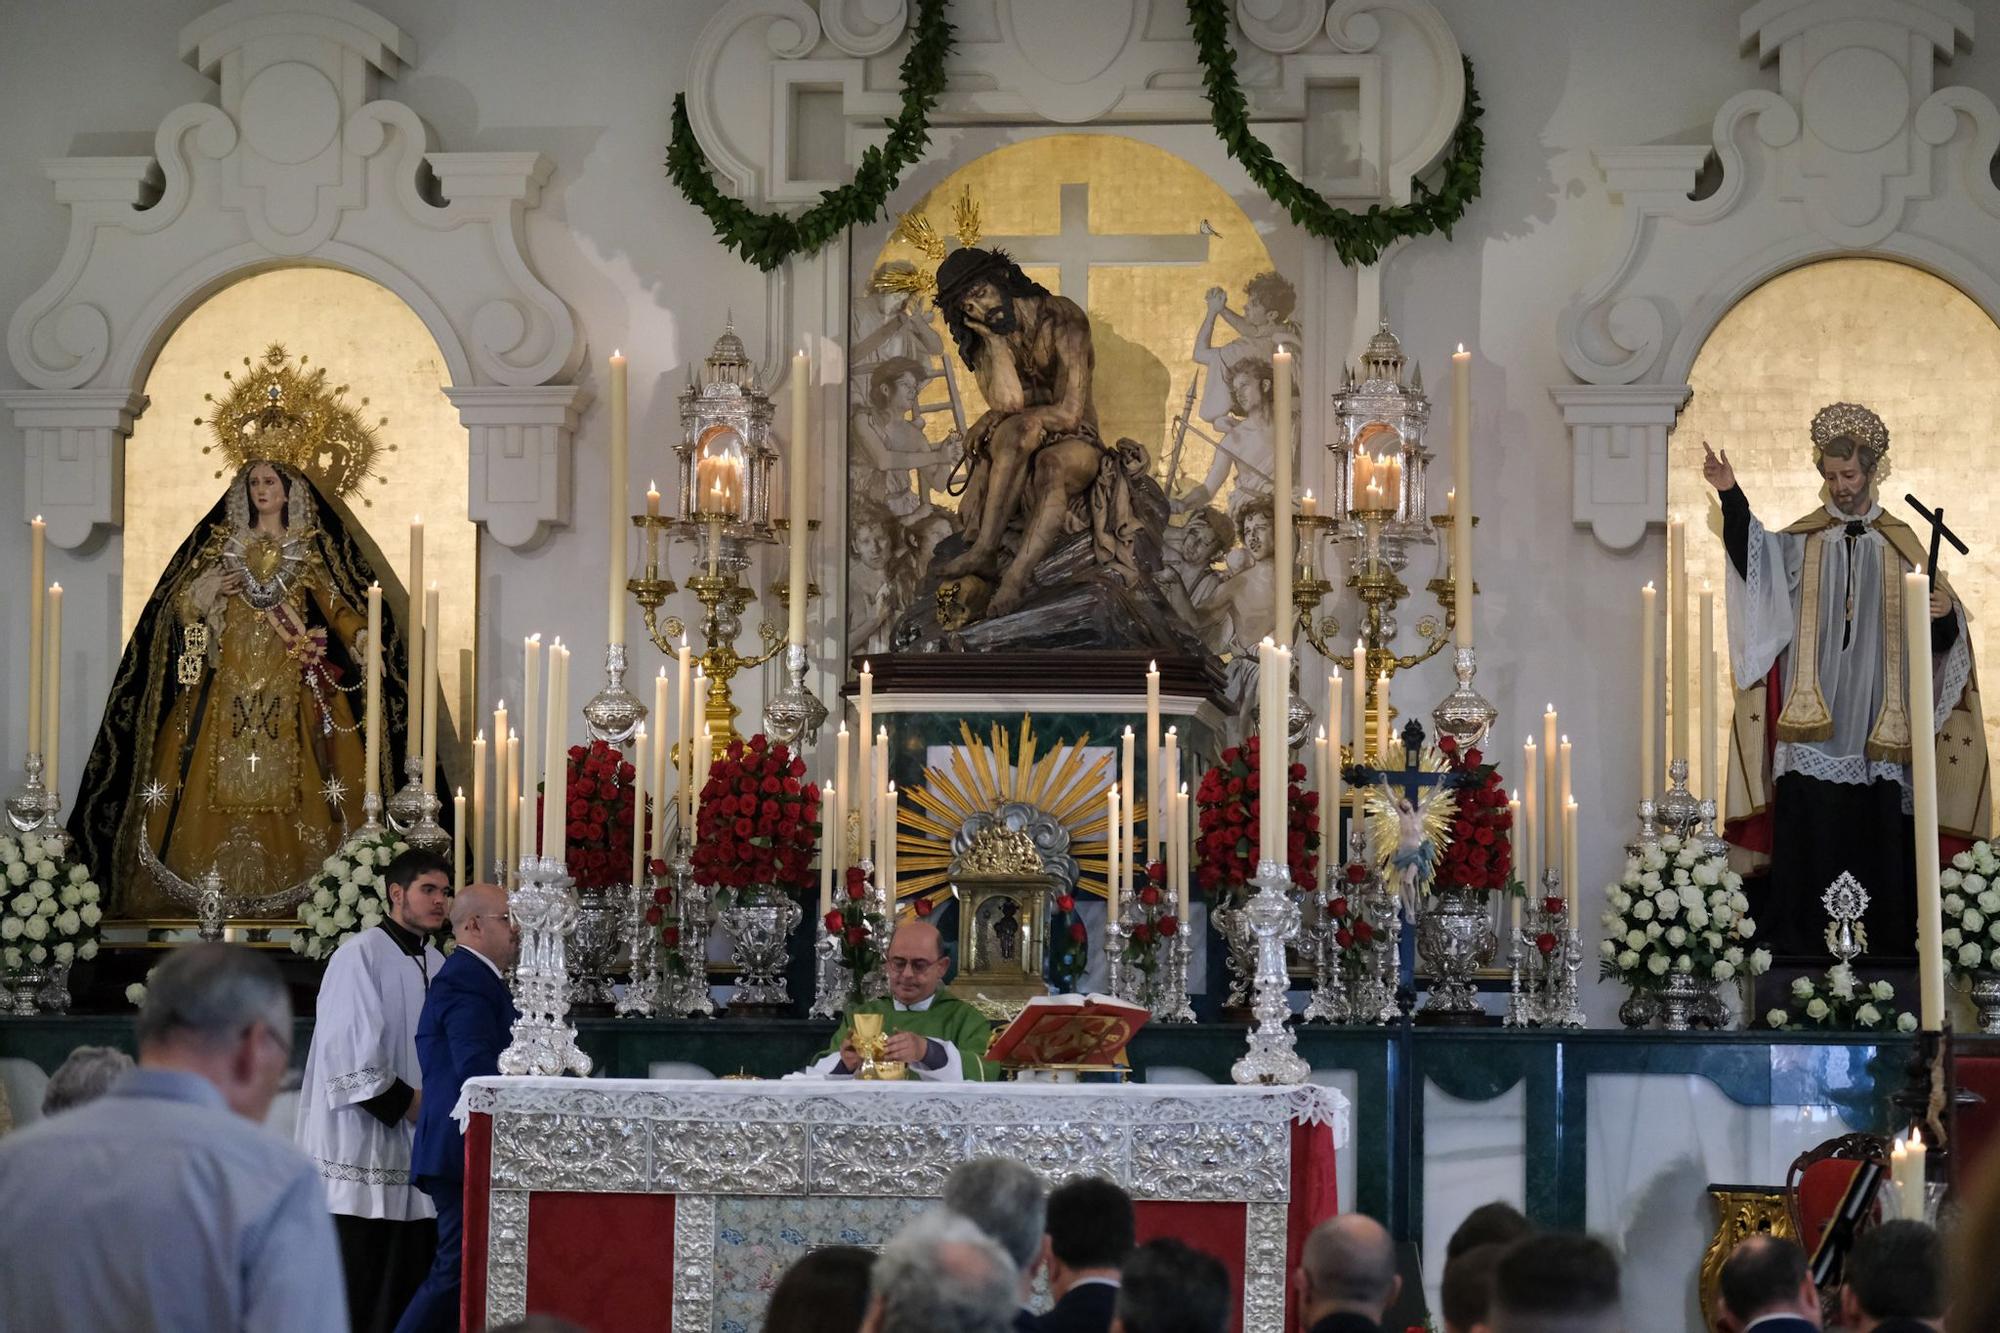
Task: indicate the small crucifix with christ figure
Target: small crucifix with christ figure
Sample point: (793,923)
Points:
(1939,534)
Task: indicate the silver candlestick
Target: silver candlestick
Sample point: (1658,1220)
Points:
(543,908)
(794,715)
(642,985)
(1116,982)
(1569,1005)
(1170,985)
(1464,714)
(691,908)
(1519,1014)
(614,712)
(1649,828)
(371,813)
(1274,919)
(26,808)
(413,810)
(209,908)
(833,984)
(1712,843)
(1329,1003)
(1677,810)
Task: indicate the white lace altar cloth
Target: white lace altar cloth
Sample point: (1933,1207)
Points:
(813,1140)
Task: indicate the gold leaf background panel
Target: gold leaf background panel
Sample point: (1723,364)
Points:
(367,339)
(1910,346)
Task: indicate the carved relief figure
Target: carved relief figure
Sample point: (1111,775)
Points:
(886,443)
(882,578)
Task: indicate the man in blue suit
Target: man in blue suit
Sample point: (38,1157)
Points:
(1765,1282)
(467,1020)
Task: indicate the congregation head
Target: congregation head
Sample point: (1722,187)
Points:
(1465,1293)
(83,1076)
(1004,1199)
(1895,1272)
(1764,1276)
(417,883)
(1556,1283)
(916,962)
(825,1292)
(942,1274)
(1496,1223)
(481,921)
(1168,1286)
(1348,1267)
(1091,1225)
(219,1011)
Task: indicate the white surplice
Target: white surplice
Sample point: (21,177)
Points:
(364,1042)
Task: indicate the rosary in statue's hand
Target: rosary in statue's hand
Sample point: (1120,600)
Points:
(1715,469)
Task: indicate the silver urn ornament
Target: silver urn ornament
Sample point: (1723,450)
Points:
(1455,938)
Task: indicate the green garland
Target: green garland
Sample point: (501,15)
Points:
(769,239)
(1358,238)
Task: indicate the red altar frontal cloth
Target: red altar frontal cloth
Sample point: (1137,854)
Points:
(605,1258)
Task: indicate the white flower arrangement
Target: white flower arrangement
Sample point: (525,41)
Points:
(1971,918)
(50,907)
(1676,909)
(349,896)
(1841,1001)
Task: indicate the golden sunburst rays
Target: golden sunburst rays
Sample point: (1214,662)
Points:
(288,414)
(916,230)
(979,777)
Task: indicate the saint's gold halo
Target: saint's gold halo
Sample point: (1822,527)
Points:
(281,413)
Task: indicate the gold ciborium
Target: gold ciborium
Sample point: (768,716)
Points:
(869,1043)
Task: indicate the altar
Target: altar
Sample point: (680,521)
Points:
(616,1201)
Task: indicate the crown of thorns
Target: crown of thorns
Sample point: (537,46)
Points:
(1853,421)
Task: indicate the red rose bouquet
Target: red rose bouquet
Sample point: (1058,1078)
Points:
(759,820)
(598,823)
(1352,930)
(1153,921)
(857,928)
(1069,944)
(1228,803)
(1480,852)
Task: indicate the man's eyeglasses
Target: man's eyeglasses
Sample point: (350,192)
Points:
(917,965)
(504,918)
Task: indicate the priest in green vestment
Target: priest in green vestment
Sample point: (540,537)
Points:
(936,1035)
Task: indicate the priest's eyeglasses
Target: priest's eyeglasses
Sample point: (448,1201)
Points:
(916,965)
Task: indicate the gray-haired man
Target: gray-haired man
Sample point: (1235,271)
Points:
(156,1207)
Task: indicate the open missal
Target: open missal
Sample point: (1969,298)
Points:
(1055,1030)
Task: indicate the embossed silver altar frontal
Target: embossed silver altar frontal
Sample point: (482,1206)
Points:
(702,1140)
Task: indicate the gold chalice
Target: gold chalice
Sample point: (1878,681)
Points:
(869,1043)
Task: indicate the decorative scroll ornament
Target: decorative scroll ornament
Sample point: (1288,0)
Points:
(1853,421)
(281,413)
(1001,851)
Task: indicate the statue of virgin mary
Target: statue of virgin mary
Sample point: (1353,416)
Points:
(231,740)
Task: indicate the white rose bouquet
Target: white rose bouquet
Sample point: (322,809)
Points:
(1841,1002)
(1971,888)
(49,905)
(349,895)
(1677,909)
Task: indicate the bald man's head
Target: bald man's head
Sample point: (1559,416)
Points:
(916,962)
(481,922)
(1349,1264)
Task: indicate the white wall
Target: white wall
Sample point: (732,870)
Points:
(591,84)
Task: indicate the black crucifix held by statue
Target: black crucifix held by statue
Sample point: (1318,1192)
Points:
(1410,779)
(1939,533)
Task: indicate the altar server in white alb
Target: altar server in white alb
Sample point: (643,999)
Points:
(363,1086)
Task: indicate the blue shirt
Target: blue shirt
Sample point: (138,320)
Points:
(156,1207)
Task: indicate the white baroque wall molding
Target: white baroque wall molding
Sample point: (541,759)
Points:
(519,455)
(763,69)
(1856,152)
(299,162)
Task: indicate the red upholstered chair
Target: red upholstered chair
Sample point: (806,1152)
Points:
(1818,1180)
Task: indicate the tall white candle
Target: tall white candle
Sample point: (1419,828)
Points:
(1520,872)
(663,744)
(829,844)
(1114,839)
(458,842)
(555,758)
(878,751)
(684,759)
(1155,803)
(1170,767)
(1718,779)
(864,776)
(52,684)
(620,524)
(1649,695)
(704,745)
(1923,794)
(1184,847)
(642,759)
(1382,756)
(479,803)
(795,511)
(431,701)
(1680,698)
(1329,814)
(372,716)
(514,815)
(1461,485)
(838,839)
(1281,496)
(889,823)
(413,675)
(1569,857)
(1360,682)
(1531,867)
(1551,788)
(1128,795)
(503,842)
(37,644)
(1564,768)
(1710,699)
(531,743)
